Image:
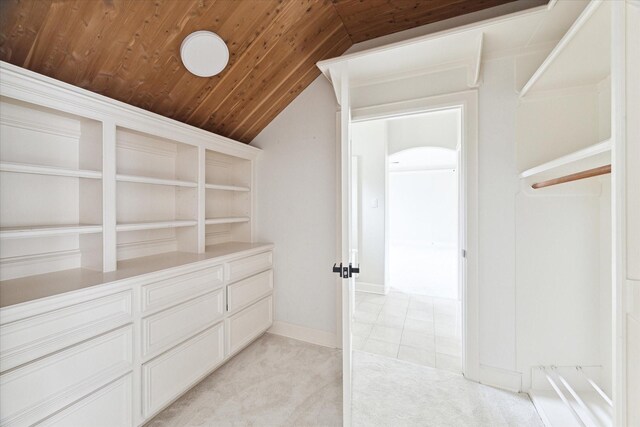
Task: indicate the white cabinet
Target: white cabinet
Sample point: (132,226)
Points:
(120,233)
(165,329)
(245,291)
(243,327)
(36,390)
(111,406)
(119,352)
(168,292)
(248,266)
(27,339)
(169,375)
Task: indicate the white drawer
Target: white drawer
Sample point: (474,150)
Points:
(37,390)
(108,407)
(249,290)
(165,293)
(31,338)
(170,374)
(243,327)
(167,328)
(250,265)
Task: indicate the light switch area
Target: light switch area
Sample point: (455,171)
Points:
(374,202)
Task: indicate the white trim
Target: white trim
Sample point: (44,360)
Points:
(468,177)
(301,333)
(372,288)
(44,123)
(618,211)
(327,64)
(500,378)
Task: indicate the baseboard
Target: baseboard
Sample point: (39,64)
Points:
(373,288)
(301,333)
(501,378)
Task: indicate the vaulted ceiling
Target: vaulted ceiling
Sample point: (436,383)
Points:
(129,50)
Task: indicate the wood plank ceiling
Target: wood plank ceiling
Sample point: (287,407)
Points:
(129,50)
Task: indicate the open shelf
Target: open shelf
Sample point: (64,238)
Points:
(226,187)
(580,58)
(48,170)
(51,188)
(154,225)
(48,230)
(227,220)
(587,158)
(155,181)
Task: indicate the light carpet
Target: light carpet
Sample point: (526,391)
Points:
(276,381)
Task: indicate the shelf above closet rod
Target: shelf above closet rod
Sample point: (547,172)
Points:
(589,173)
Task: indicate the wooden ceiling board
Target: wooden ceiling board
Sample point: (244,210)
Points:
(368,19)
(129,50)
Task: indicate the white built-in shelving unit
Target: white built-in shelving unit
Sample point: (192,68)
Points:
(228,201)
(89,183)
(581,58)
(564,231)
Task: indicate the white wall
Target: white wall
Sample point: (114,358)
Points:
(436,129)
(370,146)
(296,206)
(497,187)
(422,208)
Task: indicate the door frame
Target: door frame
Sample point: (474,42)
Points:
(467,101)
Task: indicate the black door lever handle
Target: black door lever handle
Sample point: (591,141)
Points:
(345,272)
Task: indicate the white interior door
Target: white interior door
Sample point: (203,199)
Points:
(349,247)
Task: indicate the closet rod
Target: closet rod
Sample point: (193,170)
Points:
(602,170)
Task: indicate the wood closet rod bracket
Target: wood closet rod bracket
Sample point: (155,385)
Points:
(602,170)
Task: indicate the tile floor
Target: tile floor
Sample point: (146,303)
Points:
(409,327)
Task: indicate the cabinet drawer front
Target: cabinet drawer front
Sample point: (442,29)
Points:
(35,391)
(181,288)
(31,338)
(169,327)
(249,290)
(107,407)
(248,324)
(170,374)
(251,265)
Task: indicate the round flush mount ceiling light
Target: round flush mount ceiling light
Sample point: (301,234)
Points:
(204,53)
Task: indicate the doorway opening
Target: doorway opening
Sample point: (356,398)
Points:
(408,302)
